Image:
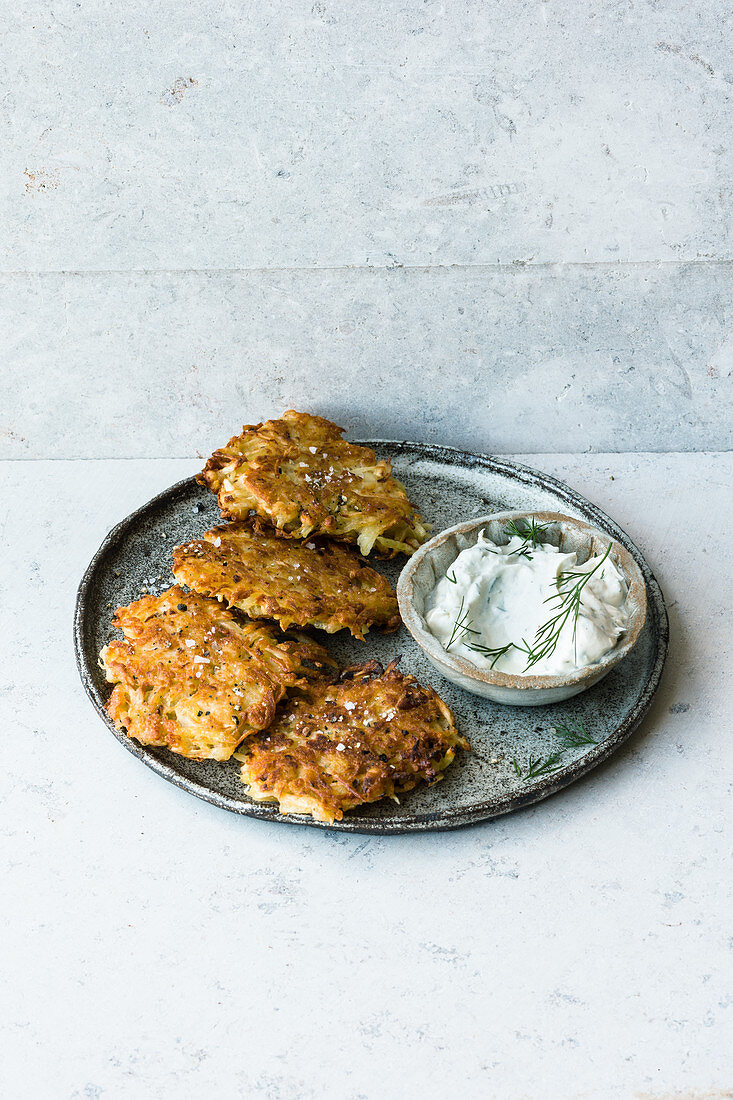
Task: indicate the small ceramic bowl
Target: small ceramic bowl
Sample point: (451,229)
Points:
(430,563)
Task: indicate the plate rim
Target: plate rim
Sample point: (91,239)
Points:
(417,823)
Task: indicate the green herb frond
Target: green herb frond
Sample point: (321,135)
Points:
(568,610)
(538,765)
(572,734)
(461,626)
(529,531)
(487,651)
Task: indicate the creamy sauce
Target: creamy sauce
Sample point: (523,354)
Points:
(494,595)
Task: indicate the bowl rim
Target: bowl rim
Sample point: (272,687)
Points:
(636,600)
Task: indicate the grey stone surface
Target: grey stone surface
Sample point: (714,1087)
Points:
(155,946)
(229,135)
(581,357)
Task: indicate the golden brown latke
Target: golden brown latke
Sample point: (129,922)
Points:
(334,746)
(301,583)
(299,474)
(193,677)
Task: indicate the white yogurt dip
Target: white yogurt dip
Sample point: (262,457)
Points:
(493,600)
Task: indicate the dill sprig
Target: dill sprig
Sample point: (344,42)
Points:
(568,609)
(529,532)
(487,651)
(521,552)
(461,626)
(453,579)
(538,765)
(572,734)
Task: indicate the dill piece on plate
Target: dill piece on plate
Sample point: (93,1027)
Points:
(312,582)
(303,478)
(333,746)
(196,678)
(573,734)
(538,765)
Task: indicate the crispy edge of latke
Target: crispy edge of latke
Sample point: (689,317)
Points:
(143,695)
(293,606)
(404,532)
(276,664)
(223,455)
(312,789)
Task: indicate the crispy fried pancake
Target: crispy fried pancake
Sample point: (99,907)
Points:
(334,746)
(299,583)
(299,474)
(193,677)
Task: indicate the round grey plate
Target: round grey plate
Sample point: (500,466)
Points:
(447,486)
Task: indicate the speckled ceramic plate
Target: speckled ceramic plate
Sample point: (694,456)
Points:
(446,485)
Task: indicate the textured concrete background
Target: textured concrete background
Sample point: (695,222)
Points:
(202,208)
(494,359)
(227,135)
